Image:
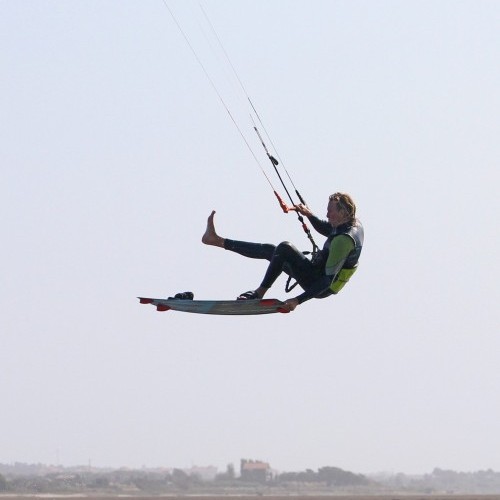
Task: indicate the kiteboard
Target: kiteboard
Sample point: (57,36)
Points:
(222,307)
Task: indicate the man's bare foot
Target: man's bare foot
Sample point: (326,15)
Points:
(210,237)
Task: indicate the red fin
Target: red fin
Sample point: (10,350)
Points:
(144,300)
(267,302)
(283,310)
(161,308)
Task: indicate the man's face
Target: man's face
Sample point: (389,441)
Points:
(335,214)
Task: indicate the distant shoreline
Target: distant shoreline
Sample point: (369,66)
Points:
(49,496)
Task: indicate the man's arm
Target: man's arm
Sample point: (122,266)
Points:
(340,247)
(322,226)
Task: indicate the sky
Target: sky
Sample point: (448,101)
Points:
(115,147)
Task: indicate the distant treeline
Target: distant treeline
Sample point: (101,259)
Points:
(21,478)
(332,476)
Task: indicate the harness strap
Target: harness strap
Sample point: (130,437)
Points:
(288,287)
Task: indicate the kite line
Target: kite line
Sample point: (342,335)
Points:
(253,111)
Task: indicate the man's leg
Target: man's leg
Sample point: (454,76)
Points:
(287,258)
(251,250)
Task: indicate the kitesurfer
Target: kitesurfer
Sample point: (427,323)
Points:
(326,273)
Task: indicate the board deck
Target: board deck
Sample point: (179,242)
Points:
(223,307)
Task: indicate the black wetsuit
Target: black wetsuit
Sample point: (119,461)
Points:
(309,274)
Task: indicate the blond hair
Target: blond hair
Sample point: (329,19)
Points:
(346,204)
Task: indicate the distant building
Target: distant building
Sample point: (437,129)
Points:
(255,471)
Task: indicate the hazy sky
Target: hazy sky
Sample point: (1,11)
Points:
(114,148)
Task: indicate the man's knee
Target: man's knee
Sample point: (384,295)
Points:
(286,248)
